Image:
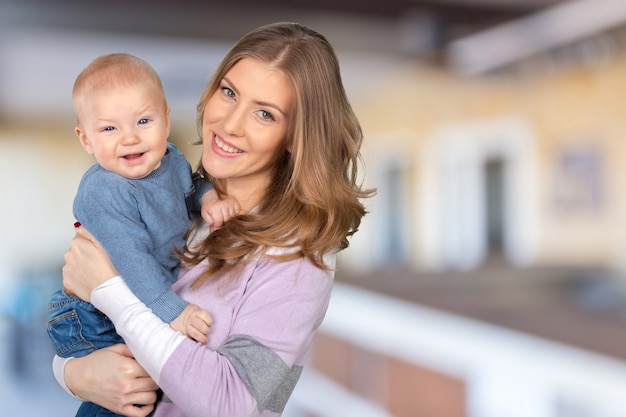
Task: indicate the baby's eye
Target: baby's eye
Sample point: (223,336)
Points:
(108,129)
(142,121)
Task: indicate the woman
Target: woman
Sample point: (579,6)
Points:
(280,136)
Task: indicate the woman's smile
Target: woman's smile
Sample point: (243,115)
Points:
(225,146)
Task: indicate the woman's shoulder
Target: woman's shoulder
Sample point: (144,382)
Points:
(329,259)
(300,270)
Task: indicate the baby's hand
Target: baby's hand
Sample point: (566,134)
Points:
(193,322)
(216,212)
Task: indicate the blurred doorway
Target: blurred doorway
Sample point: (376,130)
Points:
(477,185)
(494,205)
(394,225)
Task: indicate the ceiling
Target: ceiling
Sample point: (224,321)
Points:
(44,44)
(229,19)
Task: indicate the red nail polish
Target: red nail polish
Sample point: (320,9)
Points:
(77,225)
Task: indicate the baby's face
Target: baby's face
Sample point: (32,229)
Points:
(125,128)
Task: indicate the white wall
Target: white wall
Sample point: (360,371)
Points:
(507,373)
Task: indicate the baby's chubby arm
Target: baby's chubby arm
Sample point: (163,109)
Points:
(215,211)
(193,322)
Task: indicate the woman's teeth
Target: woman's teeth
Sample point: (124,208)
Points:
(220,144)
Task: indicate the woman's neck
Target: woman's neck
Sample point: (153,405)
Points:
(249,195)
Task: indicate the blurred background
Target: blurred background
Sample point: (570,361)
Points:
(489,277)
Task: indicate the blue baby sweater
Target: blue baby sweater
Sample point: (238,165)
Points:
(138,222)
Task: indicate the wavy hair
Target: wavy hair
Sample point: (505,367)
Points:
(313,204)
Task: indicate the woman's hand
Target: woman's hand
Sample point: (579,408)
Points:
(87,265)
(112,378)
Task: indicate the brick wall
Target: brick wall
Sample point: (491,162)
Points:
(403,389)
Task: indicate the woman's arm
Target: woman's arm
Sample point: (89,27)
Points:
(258,360)
(111,378)
(256,366)
(274,316)
(88,271)
(150,339)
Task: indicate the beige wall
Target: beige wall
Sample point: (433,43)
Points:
(569,109)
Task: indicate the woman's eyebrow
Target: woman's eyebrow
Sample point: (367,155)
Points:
(232,86)
(274,106)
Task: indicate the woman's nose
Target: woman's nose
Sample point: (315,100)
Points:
(233,121)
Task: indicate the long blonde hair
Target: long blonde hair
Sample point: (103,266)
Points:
(313,203)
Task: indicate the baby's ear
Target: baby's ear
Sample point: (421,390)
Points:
(167,121)
(82,137)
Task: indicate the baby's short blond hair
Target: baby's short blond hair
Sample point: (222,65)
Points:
(112,70)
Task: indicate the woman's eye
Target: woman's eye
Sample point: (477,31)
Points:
(265,115)
(230,93)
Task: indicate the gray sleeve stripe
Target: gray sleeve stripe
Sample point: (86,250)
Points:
(269,379)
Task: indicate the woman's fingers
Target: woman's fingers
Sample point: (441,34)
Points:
(87,264)
(147,385)
(135,411)
(141,398)
(84,234)
(121,349)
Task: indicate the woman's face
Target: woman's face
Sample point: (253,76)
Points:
(244,126)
